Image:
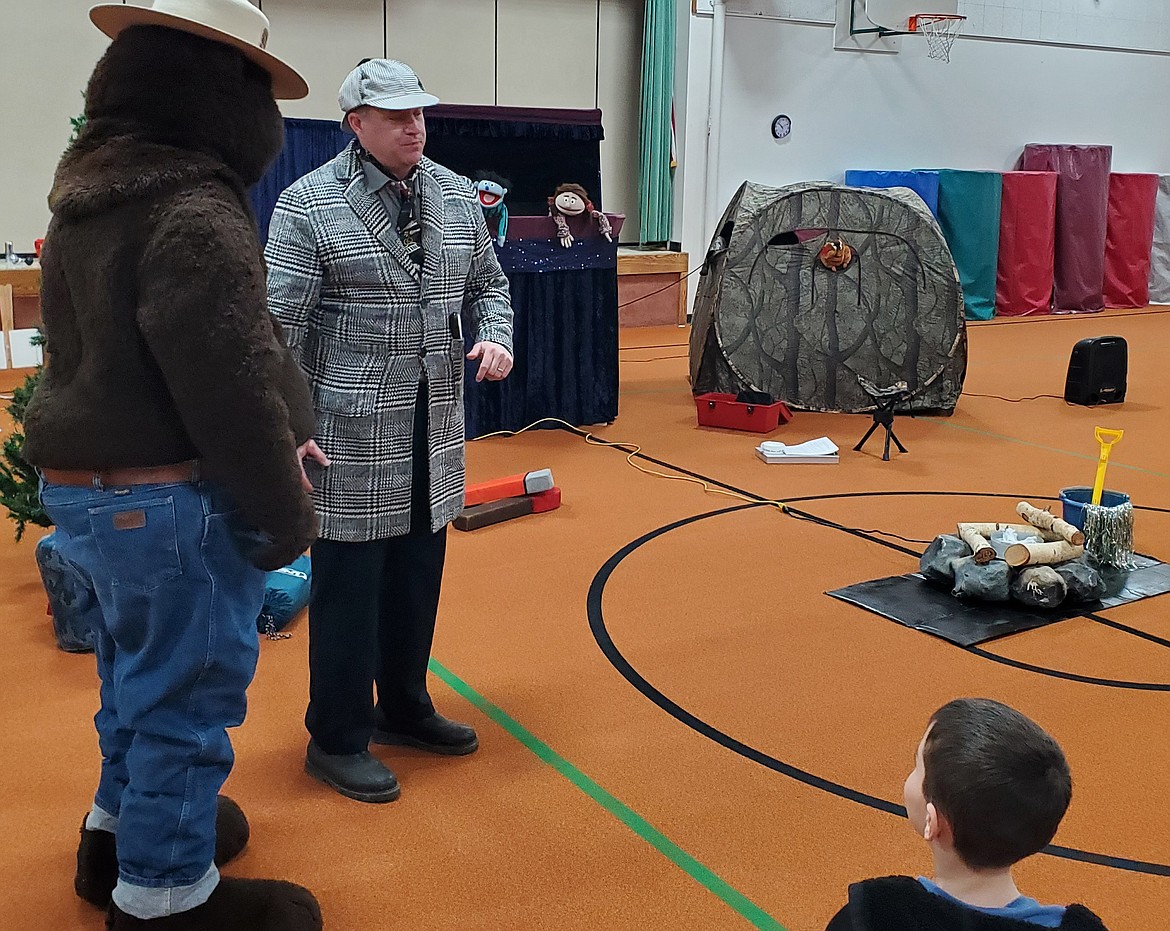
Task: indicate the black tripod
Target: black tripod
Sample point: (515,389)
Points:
(885,399)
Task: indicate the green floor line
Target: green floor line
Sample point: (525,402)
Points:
(626,815)
(1051,449)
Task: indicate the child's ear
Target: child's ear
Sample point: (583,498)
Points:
(937,829)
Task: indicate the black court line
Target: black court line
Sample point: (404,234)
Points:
(1069,676)
(637,680)
(804,515)
(1132,631)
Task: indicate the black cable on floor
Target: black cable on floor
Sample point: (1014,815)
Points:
(999,397)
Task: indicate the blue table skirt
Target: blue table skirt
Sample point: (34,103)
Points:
(565,339)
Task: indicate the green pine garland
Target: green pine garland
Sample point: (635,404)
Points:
(77,122)
(19,483)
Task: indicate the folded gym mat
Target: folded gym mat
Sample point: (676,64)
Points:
(922,183)
(1027,244)
(1160,251)
(968,212)
(1129,238)
(1082,207)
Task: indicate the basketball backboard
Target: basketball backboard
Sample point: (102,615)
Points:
(894,15)
(878,25)
(854,32)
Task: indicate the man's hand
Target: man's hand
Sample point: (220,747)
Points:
(495,361)
(310,451)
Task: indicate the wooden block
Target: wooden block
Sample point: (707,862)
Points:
(493,512)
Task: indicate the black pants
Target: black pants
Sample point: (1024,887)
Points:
(372,620)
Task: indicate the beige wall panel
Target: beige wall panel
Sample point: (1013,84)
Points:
(323,42)
(47,51)
(450,43)
(548,53)
(619,96)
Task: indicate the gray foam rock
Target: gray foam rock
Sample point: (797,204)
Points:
(1039,587)
(1113,579)
(1083,581)
(989,582)
(937,563)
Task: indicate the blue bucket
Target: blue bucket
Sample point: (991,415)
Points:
(1074,500)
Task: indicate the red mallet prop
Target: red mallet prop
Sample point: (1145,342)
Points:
(496,512)
(546,500)
(514,486)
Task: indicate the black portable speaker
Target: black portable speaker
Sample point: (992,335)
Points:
(1096,371)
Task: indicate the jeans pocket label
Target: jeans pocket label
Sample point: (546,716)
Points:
(130,520)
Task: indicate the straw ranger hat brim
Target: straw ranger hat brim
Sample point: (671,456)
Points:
(112,18)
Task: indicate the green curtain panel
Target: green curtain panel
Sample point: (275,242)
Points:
(655,200)
(968,212)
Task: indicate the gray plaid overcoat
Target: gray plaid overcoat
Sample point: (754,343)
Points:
(364,324)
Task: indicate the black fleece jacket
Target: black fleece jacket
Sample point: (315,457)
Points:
(902,903)
(160,345)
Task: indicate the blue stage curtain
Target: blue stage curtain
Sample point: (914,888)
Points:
(308,144)
(536,149)
(565,340)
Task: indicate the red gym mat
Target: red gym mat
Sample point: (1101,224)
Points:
(1129,237)
(1027,244)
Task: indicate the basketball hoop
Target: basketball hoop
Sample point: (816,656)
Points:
(940,30)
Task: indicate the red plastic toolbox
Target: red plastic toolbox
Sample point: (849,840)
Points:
(723,410)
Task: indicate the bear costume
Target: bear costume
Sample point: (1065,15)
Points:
(168,426)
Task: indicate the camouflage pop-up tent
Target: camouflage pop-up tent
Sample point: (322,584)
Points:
(770,316)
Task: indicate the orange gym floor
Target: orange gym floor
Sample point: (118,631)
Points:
(679,729)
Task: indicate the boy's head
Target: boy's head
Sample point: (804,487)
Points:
(989,782)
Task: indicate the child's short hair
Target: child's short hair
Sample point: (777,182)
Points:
(998,778)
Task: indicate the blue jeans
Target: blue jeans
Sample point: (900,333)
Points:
(176,649)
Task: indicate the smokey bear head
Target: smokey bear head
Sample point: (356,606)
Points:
(174,88)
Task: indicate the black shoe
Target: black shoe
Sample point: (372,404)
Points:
(97,854)
(355,775)
(235,905)
(436,734)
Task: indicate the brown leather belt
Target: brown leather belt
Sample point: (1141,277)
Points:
(144,475)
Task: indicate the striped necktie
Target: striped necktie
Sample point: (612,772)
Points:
(409,228)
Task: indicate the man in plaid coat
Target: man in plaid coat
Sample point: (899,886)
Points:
(376,261)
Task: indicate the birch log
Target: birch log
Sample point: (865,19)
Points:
(1041,554)
(1050,522)
(983,551)
(1021,530)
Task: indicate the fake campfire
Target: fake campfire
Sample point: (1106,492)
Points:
(1040,563)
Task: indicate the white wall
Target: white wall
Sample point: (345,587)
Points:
(47,51)
(855,110)
(849,109)
(548,53)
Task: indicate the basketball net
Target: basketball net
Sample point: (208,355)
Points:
(940,30)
